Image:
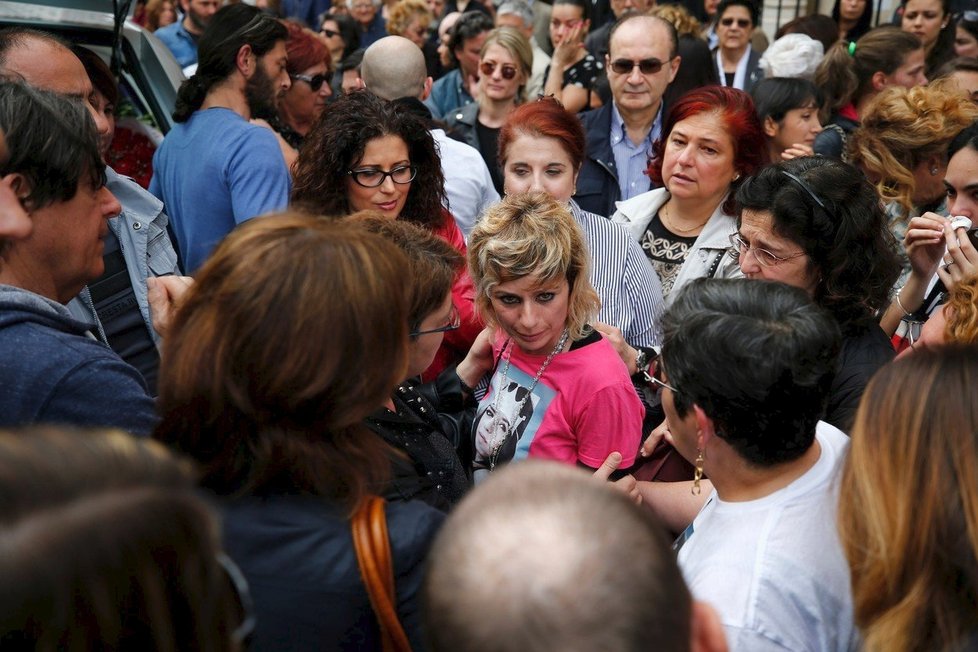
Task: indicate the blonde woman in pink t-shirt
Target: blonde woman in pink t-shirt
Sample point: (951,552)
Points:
(558,389)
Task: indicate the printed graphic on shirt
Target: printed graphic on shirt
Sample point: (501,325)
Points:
(504,429)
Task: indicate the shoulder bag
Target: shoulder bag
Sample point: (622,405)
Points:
(373,548)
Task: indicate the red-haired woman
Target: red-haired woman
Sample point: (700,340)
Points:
(541,147)
(713,140)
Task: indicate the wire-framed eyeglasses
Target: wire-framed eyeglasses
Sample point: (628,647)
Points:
(764,258)
(373,177)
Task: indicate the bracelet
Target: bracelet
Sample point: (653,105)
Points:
(906,313)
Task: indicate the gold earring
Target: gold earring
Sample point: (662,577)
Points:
(698,473)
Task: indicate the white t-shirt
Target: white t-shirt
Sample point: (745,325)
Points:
(773,568)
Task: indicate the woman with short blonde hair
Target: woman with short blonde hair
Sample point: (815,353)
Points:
(908,515)
(558,390)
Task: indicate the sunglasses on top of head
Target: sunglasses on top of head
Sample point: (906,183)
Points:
(742,23)
(489,67)
(646,66)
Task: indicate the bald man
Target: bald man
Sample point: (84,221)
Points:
(543,558)
(393,68)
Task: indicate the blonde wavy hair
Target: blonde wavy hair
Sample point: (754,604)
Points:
(403,12)
(903,128)
(526,234)
(908,512)
(961,313)
(682,20)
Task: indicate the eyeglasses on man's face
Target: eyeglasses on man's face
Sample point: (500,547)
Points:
(373,177)
(656,379)
(764,258)
(454,321)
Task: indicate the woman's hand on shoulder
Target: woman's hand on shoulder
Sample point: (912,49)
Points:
(628,485)
(617,340)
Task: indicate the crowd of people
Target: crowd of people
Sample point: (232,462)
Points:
(432,323)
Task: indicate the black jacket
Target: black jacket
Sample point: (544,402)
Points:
(597,184)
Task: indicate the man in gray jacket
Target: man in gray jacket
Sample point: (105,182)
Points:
(137,246)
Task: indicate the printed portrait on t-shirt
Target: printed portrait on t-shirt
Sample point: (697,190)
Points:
(504,428)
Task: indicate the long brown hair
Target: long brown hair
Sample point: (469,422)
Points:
(908,516)
(295,330)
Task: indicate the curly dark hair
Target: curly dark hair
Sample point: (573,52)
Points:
(336,144)
(848,241)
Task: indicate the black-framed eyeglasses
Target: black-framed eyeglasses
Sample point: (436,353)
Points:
(646,66)
(765,258)
(489,67)
(315,81)
(742,23)
(454,321)
(373,177)
(328,33)
(242,633)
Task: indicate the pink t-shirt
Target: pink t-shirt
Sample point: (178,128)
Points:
(583,408)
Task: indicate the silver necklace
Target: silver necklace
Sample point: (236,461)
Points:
(501,438)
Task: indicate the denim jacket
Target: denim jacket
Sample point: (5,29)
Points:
(146,246)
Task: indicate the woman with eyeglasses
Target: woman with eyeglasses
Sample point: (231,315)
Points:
(711,141)
(736,60)
(367,154)
(426,425)
(342,37)
(309,69)
(558,389)
(505,65)
(817,224)
(294,332)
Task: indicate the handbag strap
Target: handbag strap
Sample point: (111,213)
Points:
(372,545)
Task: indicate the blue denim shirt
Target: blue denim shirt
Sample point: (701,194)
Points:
(448,94)
(183,46)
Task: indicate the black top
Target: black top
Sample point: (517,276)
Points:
(489,148)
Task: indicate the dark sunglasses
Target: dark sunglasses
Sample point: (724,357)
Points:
(646,66)
(742,23)
(315,82)
(489,67)
(328,33)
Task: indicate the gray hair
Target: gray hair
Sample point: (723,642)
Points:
(519,8)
